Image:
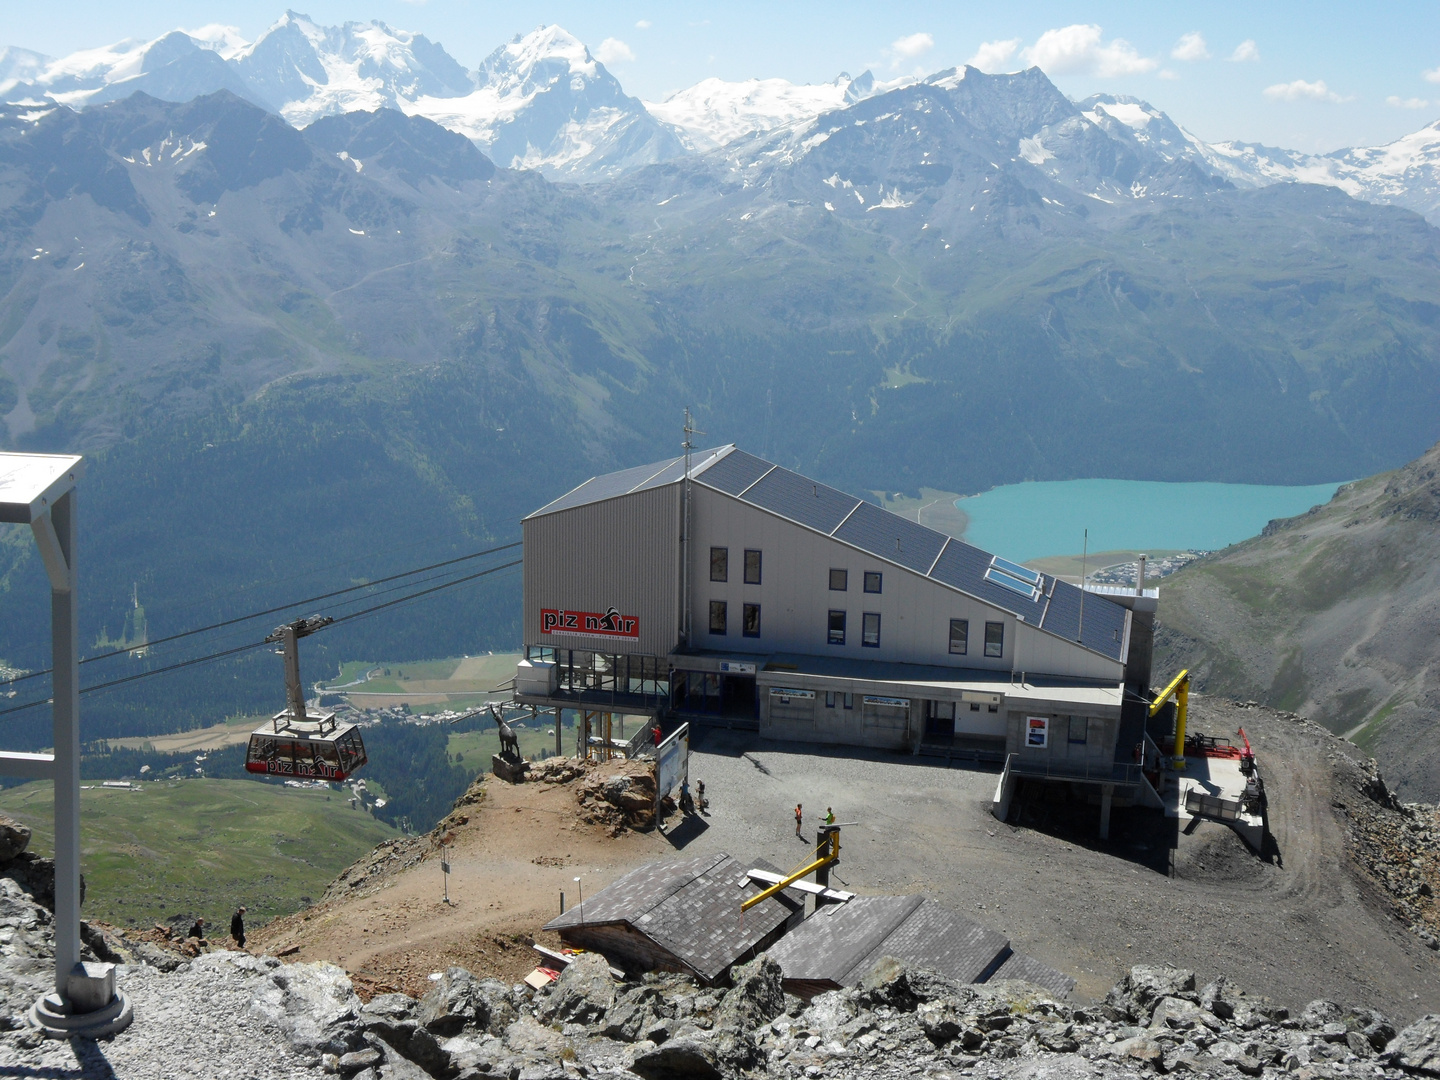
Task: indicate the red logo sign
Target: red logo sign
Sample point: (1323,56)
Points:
(609,623)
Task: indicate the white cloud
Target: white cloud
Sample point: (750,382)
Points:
(1078,49)
(614,51)
(643,24)
(1432,75)
(1301,90)
(911,46)
(1167,74)
(992,55)
(1246,50)
(1406,103)
(1191,46)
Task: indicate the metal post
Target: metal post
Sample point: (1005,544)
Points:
(559,751)
(65,646)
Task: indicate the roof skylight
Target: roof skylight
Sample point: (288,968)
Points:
(1013,576)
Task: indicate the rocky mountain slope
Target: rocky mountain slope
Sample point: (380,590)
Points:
(1333,614)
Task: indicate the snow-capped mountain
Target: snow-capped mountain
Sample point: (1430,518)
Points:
(540,102)
(543,102)
(713,113)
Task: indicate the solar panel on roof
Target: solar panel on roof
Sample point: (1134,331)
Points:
(1014,577)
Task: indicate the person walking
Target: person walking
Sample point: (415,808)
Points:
(700,797)
(197,931)
(237,926)
(829,816)
(799,816)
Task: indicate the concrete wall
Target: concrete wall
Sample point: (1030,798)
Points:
(864,724)
(795,599)
(1096,753)
(624,552)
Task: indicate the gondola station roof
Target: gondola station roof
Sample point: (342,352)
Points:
(1040,600)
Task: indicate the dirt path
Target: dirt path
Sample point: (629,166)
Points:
(1302,926)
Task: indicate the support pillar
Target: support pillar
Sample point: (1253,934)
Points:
(39,490)
(1107,794)
(559,750)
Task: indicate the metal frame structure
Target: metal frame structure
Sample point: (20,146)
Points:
(39,490)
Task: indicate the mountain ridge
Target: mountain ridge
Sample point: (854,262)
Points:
(575,122)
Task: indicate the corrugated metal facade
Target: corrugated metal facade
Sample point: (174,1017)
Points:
(624,553)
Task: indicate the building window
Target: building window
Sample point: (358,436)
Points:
(974,706)
(719,564)
(849,701)
(872,581)
(870,630)
(837,628)
(994,639)
(1078,724)
(829,699)
(839,580)
(750,625)
(718,616)
(752,567)
(959,636)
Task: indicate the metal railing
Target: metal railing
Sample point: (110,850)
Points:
(1100,772)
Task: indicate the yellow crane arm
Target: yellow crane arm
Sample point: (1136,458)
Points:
(825,860)
(1180,687)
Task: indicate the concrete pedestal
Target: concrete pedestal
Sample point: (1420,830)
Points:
(509,769)
(93,1009)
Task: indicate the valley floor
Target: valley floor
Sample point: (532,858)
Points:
(1303,924)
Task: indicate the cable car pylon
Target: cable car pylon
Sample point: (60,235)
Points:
(298,742)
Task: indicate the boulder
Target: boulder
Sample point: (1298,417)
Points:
(314,1004)
(755,997)
(353,1062)
(888,983)
(583,994)
(1319,1013)
(679,1059)
(391,1018)
(454,1001)
(939,1021)
(14,838)
(1417,1048)
(1146,984)
(1217,998)
(1178,1014)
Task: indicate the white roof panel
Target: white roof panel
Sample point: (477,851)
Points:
(30,482)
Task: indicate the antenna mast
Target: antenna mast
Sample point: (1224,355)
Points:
(1084,553)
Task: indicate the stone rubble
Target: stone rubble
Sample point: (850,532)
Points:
(234,1015)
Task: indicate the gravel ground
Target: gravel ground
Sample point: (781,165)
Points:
(1301,925)
(196,1022)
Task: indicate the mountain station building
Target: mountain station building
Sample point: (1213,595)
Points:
(748,595)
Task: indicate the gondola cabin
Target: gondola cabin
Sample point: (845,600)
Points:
(317,749)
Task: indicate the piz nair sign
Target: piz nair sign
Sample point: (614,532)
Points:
(609,623)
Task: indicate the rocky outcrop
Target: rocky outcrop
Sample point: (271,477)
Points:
(14,838)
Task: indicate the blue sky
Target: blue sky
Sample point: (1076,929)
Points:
(1316,76)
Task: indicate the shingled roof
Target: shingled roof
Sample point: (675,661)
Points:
(840,943)
(690,908)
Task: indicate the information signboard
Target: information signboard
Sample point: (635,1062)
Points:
(672,762)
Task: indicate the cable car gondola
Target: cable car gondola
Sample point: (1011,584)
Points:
(297,742)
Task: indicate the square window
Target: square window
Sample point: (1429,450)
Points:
(837,628)
(974,706)
(839,580)
(994,639)
(719,564)
(959,636)
(872,581)
(829,699)
(718,616)
(750,624)
(849,701)
(870,630)
(752,567)
(1078,724)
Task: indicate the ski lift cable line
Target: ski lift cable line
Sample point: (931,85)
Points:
(273,610)
(261,644)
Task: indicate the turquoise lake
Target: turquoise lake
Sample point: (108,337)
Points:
(1032,520)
